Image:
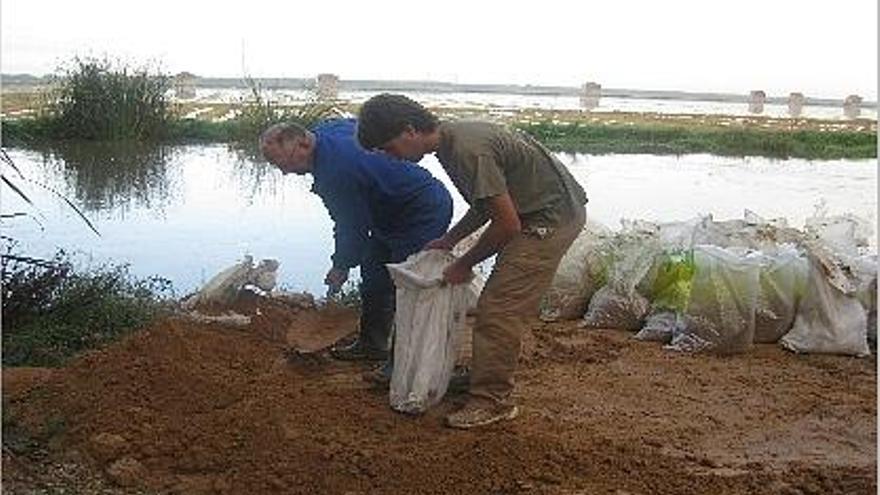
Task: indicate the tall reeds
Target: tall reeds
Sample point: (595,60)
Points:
(97,99)
(258,112)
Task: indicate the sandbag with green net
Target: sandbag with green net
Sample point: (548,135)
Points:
(672,286)
(670,291)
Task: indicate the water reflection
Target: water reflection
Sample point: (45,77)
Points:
(113,176)
(254,175)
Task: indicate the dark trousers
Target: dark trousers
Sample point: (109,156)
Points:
(378,294)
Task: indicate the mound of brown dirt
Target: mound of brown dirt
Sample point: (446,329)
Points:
(191,408)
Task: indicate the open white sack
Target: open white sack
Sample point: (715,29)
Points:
(429,319)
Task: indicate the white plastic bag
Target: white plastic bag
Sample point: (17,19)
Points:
(615,309)
(782,284)
(865,270)
(581,272)
(830,318)
(224,287)
(845,234)
(429,317)
(618,304)
(720,315)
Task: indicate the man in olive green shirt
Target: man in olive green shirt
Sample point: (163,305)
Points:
(535,209)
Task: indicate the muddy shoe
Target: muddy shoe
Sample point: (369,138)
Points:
(379,377)
(475,415)
(358,352)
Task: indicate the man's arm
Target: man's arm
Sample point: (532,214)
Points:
(471,221)
(348,207)
(504,226)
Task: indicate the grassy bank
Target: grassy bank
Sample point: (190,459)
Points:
(52,311)
(599,137)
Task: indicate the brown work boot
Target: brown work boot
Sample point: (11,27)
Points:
(480,413)
(358,352)
(380,377)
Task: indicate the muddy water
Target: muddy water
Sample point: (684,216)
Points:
(186,212)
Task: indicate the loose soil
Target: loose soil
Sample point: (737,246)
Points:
(184,407)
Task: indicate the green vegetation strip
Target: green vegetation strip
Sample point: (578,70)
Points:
(592,138)
(657,139)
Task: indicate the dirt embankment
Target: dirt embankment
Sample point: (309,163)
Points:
(191,408)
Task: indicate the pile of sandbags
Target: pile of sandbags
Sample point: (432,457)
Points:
(721,286)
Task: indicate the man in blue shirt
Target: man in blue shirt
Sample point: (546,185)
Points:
(383,209)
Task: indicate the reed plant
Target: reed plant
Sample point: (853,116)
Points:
(258,111)
(98,99)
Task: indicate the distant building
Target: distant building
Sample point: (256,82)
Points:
(852,106)
(185,85)
(796,104)
(590,94)
(328,86)
(756,101)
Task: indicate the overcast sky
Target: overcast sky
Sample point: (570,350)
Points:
(823,48)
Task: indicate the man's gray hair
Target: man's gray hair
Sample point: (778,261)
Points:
(282,132)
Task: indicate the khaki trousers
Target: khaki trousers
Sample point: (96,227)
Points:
(510,303)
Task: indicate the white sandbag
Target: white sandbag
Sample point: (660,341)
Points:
(429,317)
(679,236)
(843,233)
(581,272)
(265,275)
(615,309)
(753,218)
(830,318)
(720,315)
(618,304)
(865,271)
(224,287)
(752,232)
(782,284)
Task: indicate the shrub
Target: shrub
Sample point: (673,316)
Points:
(51,311)
(99,100)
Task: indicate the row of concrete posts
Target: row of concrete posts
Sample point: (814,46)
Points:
(591,93)
(327,88)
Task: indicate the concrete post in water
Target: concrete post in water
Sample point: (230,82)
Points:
(795,104)
(328,86)
(852,106)
(756,101)
(185,86)
(590,94)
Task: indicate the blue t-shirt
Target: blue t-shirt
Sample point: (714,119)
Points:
(369,193)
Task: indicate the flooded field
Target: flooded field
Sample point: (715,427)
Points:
(185,212)
(551,102)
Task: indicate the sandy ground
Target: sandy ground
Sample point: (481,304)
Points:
(192,408)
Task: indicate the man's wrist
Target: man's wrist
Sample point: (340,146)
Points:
(449,240)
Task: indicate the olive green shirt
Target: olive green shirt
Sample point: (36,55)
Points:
(485,159)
